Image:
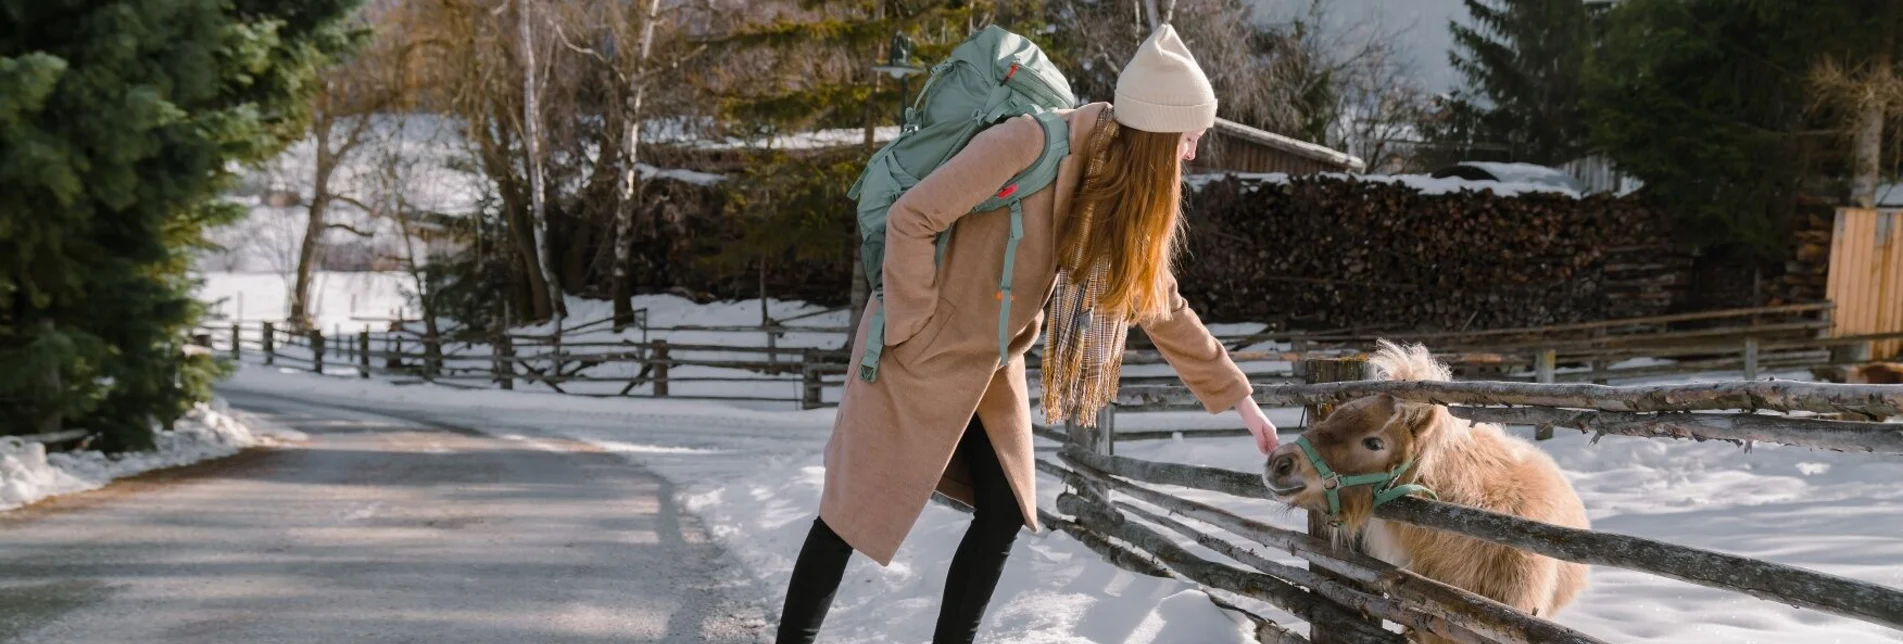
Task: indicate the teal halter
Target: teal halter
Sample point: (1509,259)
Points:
(1388,485)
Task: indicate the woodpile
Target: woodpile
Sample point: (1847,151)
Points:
(1337,252)
(1807,272)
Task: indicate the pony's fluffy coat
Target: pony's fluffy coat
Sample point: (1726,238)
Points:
(1477,465)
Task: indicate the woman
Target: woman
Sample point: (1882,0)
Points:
(943,414)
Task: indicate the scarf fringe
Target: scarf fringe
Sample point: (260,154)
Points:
(1083,353)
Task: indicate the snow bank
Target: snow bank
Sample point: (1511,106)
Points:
(28,473)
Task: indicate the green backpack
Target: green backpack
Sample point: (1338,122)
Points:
(992,76)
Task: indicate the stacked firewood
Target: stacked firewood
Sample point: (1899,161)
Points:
(1338,252)
(1807,271)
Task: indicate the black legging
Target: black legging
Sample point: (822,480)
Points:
(974,569)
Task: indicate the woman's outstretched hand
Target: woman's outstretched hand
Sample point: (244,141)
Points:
(1258,424)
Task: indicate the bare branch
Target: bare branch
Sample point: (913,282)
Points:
(349,229)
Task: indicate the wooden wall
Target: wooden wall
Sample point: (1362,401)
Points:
(1222,153)
(1866,275)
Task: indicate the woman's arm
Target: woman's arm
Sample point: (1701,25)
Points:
(929,208)
(1201,361)
(1204,365)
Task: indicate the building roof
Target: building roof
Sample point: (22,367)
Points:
(1296,147)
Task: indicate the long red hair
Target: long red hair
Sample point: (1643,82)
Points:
(1127,217)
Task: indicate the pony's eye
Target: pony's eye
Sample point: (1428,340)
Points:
(1373,444)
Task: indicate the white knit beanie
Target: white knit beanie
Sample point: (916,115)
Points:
(1163,89)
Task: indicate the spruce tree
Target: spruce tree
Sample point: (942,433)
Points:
(119,125)
(1525,60)
(1711,104)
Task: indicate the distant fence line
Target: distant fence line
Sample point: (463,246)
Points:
(1747,341)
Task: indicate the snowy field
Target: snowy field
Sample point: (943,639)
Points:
(28,474)
(754,476)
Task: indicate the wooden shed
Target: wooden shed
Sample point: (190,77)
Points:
(1866,276)
(1234,147)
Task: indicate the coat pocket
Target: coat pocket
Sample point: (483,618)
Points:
(923,344)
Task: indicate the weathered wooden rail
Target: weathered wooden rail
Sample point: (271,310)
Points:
(1111,501)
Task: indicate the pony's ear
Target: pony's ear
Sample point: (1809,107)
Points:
(1416,419)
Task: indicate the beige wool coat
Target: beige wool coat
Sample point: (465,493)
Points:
(894,439)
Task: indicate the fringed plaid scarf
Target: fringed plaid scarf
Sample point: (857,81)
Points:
(1083,347)
(1083,352)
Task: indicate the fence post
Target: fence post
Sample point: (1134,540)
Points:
(317,351)
(270,343)
(1101,439)
(504,348)
(811,384)
(1314,371)
(1600,365)
(1544,366)
(772,344)
(237,345)
(659,359)
(1750,358)
(395,348)
(432,356)
(363,353)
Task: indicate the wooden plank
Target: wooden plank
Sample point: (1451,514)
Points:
(1321,583)
(1765,580)
(1775,396)
(1783,584)
(1255,585)
(1460,607)
(1839,435)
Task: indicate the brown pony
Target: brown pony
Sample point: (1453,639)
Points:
(1380,444)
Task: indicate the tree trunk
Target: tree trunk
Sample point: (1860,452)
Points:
(1867,146)
(49,420)
(307,258)
(532,145)
(314,224)
(624,216)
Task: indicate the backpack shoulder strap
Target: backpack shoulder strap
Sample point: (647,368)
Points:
(1042,172)
(1040,175)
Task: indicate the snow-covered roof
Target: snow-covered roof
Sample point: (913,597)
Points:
(1521,173)
(1419,182)
(1297,147)
(811,140)
(679,174)
(1890,195)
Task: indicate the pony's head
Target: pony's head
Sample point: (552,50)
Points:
(1369,447)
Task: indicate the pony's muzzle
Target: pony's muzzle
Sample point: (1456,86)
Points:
(1282,465)
(1280,475)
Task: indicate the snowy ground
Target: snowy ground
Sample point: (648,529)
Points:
(754,477)
(752,472)
(29,474)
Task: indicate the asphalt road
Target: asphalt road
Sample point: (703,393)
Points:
(377,529)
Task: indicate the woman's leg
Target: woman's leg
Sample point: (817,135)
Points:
(980,559)
(816,576)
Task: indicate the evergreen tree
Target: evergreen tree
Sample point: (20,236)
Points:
(1525,60)
(119,123)
(1709,102)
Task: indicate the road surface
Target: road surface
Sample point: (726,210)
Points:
(377,529)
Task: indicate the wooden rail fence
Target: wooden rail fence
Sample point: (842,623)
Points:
(1111,506)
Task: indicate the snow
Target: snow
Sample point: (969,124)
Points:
(1527,173)
(811,140)
(29,474)
(752,472)
(346,301)
(1421,183)
(678,174)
